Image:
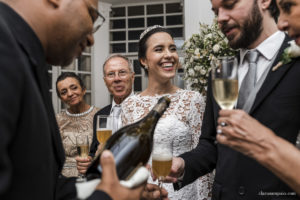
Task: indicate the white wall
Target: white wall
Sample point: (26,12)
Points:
(196,11)
(101,96)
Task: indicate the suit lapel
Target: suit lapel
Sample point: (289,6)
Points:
(273,78)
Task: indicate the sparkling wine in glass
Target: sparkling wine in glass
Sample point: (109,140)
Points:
(104,128)
(82,144)
(162,155)
(225,81)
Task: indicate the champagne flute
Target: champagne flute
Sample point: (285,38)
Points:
(82,144)
(104,128)
(225,81)
(162,155)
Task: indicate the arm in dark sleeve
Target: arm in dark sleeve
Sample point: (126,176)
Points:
(203,158)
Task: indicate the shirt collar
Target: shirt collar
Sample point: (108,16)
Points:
(115,104)
(269,47)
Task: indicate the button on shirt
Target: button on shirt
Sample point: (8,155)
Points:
(267,49)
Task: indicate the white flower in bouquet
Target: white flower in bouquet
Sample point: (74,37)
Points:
(191,72)
(200,50)
(216,48)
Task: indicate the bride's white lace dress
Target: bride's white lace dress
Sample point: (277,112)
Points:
(181,123)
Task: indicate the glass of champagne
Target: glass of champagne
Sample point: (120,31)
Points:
(82,144)
(104,128)
(225,81)
(162,154)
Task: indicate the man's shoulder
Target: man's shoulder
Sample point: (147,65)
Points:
(105,110)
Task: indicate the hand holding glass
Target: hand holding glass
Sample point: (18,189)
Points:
(82,144)
(225,81)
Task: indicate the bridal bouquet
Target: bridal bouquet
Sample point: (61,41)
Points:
(200,50)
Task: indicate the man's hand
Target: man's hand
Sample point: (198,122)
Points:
(152,192)
(83,164)
(111,184)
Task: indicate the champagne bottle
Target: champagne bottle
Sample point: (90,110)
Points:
(132,144)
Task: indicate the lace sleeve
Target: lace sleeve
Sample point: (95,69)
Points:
(127,110)
(197,108)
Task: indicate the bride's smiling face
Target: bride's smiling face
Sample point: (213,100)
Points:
(161,56)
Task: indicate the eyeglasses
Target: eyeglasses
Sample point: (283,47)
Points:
(98,20)
(121,74)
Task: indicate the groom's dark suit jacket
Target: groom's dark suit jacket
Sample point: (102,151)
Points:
(277,105)
(95,143)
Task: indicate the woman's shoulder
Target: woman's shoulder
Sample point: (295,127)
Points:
(133,99)
(183,93)
(61,115)
(95,109)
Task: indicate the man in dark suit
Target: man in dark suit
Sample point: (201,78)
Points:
(274,101)
(33,33)
(119,79)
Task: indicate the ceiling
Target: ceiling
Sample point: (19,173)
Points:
(113,2)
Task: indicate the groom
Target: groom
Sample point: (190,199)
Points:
(274,101)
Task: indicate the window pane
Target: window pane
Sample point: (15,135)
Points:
(177,32)
(118,36)
(173,8)
(134,35)
(64,106)
(174,20)
(86,79)
(87,98)
(84,63)
(133,47)
(118,48)
(87,50)
(135,10)
(138,84)
(117,12)
(155,9)
(134,23)
(137,67)
(71,66)
(155,21)
(118,23)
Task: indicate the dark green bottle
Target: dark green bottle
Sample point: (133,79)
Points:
(132,144)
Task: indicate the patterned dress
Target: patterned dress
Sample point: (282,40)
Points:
(181,125)
(70,127)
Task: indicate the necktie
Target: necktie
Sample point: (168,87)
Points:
(249,81)
(116,116)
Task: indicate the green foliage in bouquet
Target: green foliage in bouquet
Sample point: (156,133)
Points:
(200,50)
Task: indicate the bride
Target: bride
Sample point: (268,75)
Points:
(181,122)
